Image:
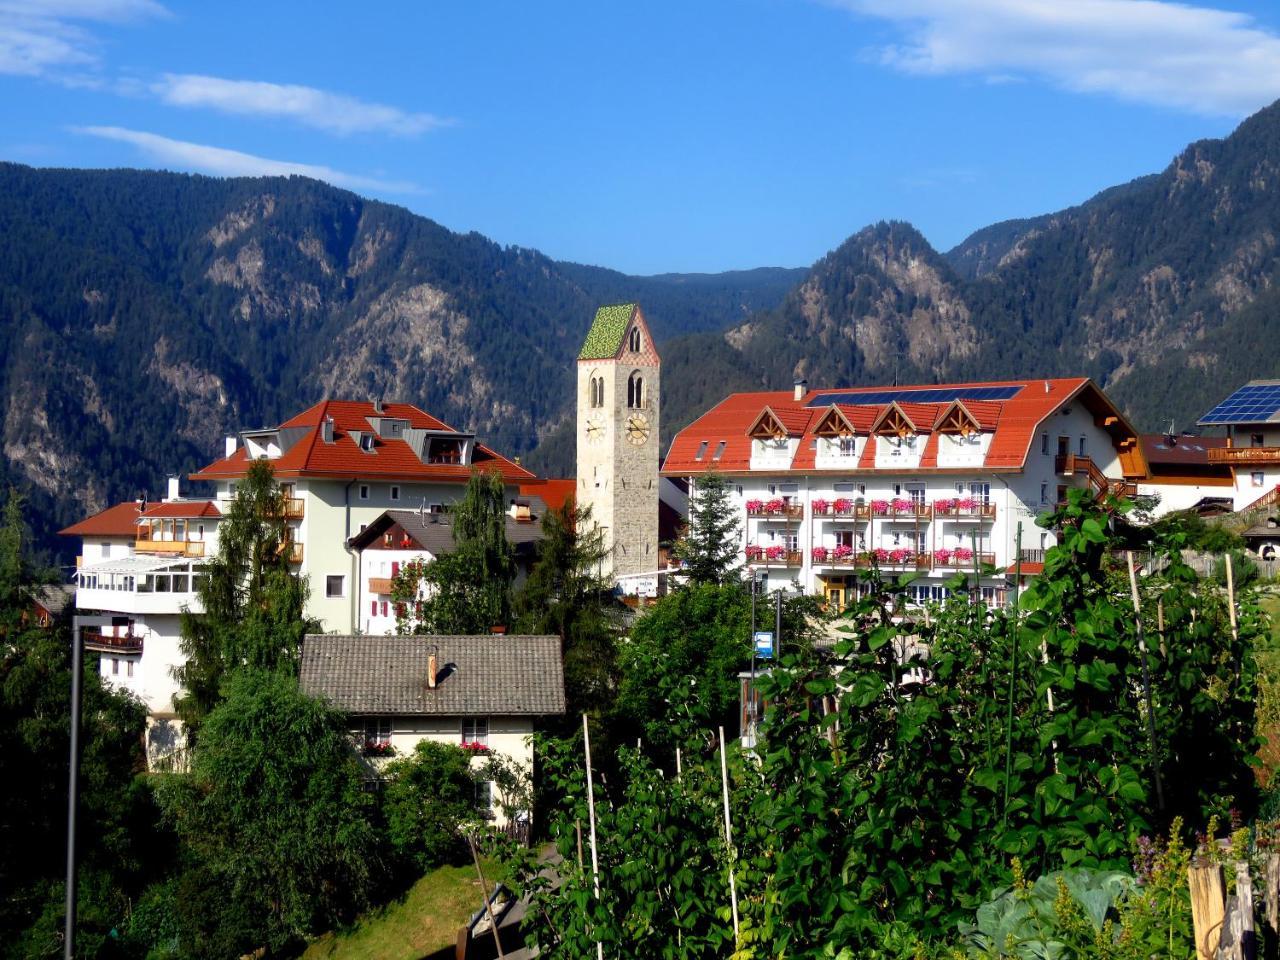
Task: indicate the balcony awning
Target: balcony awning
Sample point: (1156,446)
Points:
(137,565)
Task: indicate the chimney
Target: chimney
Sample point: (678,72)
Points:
(377,406)
(173,490)
(799,389)
(431,672)
(326,430)
(498,631)
(230,447)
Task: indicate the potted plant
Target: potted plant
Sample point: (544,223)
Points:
(843,506)
(903,505)
(879,507)
(963,554)
(820,506)
(820,554)
(774,506)
(942,557)
(754,553)
(755,506)
(378,748)
(843,552)
(775,553)
(880,555)
(475,748)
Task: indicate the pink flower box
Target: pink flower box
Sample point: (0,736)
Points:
(962,554)
(900,556)
(880,554)
(775,553)
(942,556)
(843,506)
(776,505)
(754,553)
(820,554)
(755,506)
(903,505)
(879,507)
(943,504)
(843,552)
(820,506)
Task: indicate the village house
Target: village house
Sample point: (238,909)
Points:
(482,693)
(1251,451)
(928,479)
(340,464)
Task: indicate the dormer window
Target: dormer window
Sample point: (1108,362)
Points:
(702,450)
(366,442)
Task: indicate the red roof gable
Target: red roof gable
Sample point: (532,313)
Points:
(553,493)
(118,521)
(391,459)
(184,508)
(1013,422)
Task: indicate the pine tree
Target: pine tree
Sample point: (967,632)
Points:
(253,605)
(709,548)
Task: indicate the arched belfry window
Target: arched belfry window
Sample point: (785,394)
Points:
(595,397)
(635,339)
(635,390)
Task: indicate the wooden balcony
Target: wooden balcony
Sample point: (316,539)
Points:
(1070,463)
(110,640)
(791,511)
(916,511)
(170,548)
(1244,455)
(294,551)
(788,558)
(952,562)
(380,586)
(293,508)
(978,511)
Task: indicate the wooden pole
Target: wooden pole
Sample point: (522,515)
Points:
(1273,894)
(591,810)
(728,837)
(679,767)
(1207,908)
(1231,599)
(1146,680)
(1164,652)
(488,904)
(577,826)
(1247,935)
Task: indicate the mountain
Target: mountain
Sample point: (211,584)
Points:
(145,315)
(1165,290)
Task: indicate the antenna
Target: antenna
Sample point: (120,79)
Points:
(422,510)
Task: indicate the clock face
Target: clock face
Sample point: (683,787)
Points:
(637,428)
(595,429)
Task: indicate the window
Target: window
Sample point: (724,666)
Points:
(128,668)
(395,492)
(848,446)
(1255,440)
(1257,478)
(916,492)
(1082,442)
(377,730)
(475,730)
(702,450)
(115,665)
(1044,443)
(789,488)
(335,585)
(635,339)
(366,442)
(364,491)
(1044,493)
(635,390)
(980,491)
(484,796)
(719,450)
(595,391)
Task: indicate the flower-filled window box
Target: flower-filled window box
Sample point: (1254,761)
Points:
(476,748)
(880,555)
(821,507)
(754,553)
(775,506)
(378,748)
(962,554)
(842,506)
(942,556)
(820,554)
(903,505)
(842,552)
(879,507)
(901,555)
(775,553)
(755,506)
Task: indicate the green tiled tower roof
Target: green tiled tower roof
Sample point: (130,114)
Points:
(607,331)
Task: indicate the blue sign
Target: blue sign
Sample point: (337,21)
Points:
(764,643)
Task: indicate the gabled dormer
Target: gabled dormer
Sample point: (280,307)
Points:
(837,445)
(773,441)
(961,440)
(899,441)
(271,444)
(447,447)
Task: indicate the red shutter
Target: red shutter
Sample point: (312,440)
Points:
(373,607)
(395,569)
(384,608)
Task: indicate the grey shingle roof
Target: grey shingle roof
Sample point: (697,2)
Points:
(477,676)
(435,530)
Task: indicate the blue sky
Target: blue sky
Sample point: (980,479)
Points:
(688,136)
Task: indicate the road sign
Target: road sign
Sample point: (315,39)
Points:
(764,643)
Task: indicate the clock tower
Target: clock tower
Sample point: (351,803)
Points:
(617,437)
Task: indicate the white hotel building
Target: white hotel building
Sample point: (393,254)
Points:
(931,479)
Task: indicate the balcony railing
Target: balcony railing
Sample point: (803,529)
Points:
(839,508)
(1070,463)
(962,560)
(964,510)
(295,552)
(1032,556)
(890,510)
(175,548)
(1244,454)
(110,640)
(380,586)
(293,508)
(774,556)
(773,510)
(897,559)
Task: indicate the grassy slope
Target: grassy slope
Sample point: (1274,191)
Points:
(424,921)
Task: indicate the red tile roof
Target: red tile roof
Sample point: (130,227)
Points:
(183,508)
(118,521)
(553,493)
(1013,422)
(390,459)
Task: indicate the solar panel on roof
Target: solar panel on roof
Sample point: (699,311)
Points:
(1252,403)
(917,395)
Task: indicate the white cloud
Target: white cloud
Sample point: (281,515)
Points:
(38,37)
(1150,51)
(331,112)
(181,155)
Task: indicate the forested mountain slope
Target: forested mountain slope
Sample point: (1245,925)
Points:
(145,315)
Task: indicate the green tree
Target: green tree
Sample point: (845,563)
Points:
(428,798)
(252,603)
(469,589)
(709,548)
(275,823)
(566,595)
(121,848)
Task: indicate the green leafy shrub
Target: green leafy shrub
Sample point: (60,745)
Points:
(429,796)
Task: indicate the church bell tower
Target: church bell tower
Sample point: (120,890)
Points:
(617,437)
